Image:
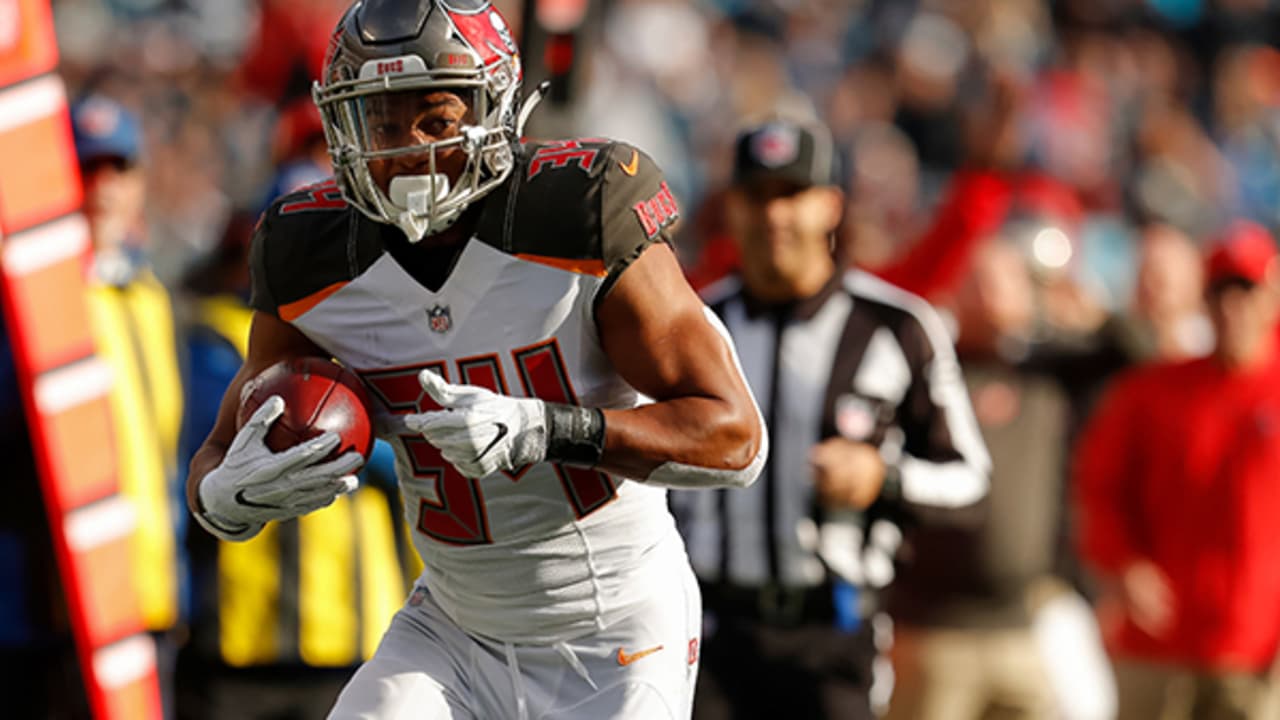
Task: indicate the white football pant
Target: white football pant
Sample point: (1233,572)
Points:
(427,668)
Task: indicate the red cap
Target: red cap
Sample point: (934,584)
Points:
(1243,251)
(298,126)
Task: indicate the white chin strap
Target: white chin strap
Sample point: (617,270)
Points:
(414,196)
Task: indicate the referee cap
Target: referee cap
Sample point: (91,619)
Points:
(800,153)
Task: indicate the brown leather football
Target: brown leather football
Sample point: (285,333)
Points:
(319,395)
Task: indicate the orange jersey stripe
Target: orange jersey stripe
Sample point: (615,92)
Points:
(295,309)
(585,267)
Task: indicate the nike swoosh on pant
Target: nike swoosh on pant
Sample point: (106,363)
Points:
(502,432)
(624,659)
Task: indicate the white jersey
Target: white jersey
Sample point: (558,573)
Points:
(549,552)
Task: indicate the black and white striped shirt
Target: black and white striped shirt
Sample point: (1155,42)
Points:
(861,359)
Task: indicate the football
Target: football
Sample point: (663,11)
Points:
(319,395)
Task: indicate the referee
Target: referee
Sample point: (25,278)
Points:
(870,430)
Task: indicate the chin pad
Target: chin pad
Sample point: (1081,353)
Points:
(418,193)
(416,196)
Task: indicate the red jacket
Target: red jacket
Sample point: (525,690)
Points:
(975,205)
(1181,465)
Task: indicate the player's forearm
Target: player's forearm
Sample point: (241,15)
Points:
(704,441)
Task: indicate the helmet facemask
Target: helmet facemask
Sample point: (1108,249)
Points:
(359,105)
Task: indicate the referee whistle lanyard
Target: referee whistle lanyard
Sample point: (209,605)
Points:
(841,536)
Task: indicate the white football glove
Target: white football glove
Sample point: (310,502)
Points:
(481,432)
(254,485)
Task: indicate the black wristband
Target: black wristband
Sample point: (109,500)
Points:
(891,488)
(575,435)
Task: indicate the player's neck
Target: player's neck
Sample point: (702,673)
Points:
(454,235)
(430,261)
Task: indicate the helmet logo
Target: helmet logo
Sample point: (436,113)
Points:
(486,32)
(403,65)
(500,26)
(463,61)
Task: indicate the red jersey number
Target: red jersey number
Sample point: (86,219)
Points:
(561,153)
(458,517)
(321,196)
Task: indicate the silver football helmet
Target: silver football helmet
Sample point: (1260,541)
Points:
(382,50)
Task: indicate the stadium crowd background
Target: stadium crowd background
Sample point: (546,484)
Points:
(1128,114)
(1163,108)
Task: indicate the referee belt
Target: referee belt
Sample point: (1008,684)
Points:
(771,603)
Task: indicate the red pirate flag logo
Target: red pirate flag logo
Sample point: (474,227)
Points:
(486,31)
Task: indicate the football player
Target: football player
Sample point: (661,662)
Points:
(536,358)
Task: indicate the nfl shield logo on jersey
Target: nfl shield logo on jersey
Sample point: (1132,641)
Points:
(441,322)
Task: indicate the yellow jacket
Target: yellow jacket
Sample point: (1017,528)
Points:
(134,330)
(319,590)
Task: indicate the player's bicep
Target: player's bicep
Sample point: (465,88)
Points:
(654,329)
(704,429)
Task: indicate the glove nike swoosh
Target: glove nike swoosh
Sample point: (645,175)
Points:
(240,498)
(502,432)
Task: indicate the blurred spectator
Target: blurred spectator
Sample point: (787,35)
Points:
(1246,83)
(134,331)
(287,50)
(1177,484)
(1169,298)
(280,622)
(966,601)
(302,156)
(866,412)
(1081,343)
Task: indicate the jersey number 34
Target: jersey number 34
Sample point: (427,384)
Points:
(458,516)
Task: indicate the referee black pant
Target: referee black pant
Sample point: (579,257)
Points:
(767,659)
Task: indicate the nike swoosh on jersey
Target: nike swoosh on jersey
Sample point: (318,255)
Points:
(631,167)
(625,659)
(502,432)
(240,498)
